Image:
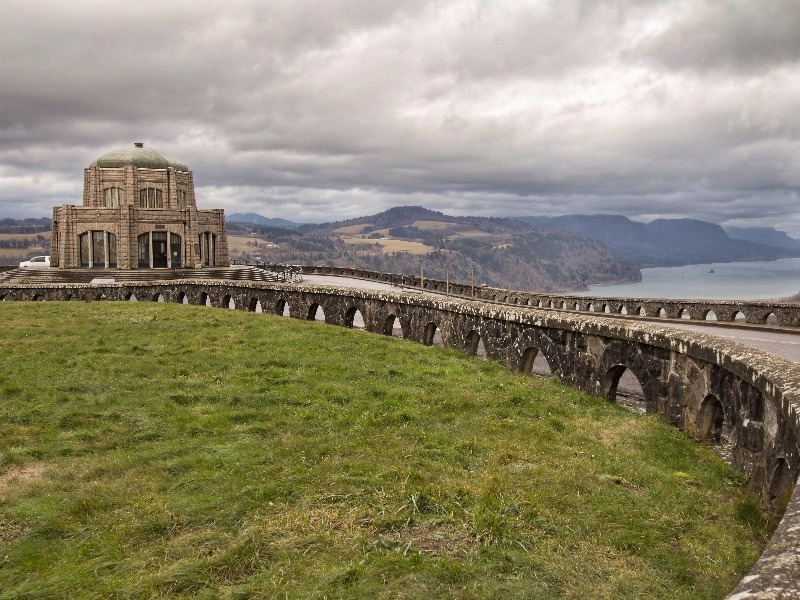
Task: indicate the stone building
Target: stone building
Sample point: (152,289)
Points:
(139,212)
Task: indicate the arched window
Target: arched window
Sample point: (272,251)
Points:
(113,197)
(150,198)
(97,249)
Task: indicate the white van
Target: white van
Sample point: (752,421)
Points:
(36,261)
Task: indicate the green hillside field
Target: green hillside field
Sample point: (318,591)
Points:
(155,450)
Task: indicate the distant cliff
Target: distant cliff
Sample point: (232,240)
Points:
(673,242)
(765,235)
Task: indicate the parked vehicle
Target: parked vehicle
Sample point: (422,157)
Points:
(36,261)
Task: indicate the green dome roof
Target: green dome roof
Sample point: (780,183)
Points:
(138,156)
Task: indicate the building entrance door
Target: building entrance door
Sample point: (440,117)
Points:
(159,249)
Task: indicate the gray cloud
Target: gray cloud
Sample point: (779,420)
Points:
(313,110)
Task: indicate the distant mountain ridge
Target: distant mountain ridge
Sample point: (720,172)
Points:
(764,235)
(662,242)
(503,252)
(257,219)
(674,242)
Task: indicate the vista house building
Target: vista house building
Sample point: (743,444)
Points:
(139,212)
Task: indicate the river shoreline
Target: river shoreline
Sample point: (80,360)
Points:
(752,280)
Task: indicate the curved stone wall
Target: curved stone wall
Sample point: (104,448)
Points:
(753,311)
(709,387)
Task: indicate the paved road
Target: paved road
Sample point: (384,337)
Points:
(786,345)
(359,284)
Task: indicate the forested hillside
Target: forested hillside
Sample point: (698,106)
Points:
(504,252)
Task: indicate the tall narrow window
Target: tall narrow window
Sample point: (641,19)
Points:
(99,249)
(208,249)
(144,251)
(181,199)
(112,197)
(83,244)
(112,250)
(175,250)
(150,198)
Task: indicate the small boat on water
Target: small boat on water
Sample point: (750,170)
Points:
(712,271)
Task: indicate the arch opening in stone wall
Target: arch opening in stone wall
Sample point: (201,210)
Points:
(354,319)
(432,336)
(710,421)
(158,297)
(771,319)
(591,307)
(684,314)
(739,316)
(183,298)
(229,302)
(393,326)
(282,308)
(662,313)
(641,311)
(623,310)
(315,313)
(534,362)
(622,386)
(781,486)
(577,306)
(205,299)
(255,305)
(472,342)
(606,308)
(710,315)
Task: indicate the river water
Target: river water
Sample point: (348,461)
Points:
(728,281)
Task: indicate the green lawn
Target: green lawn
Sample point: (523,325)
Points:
(153,450)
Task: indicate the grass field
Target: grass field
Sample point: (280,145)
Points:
(390,245)
(154,450)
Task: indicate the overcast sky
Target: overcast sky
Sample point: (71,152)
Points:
(315,110)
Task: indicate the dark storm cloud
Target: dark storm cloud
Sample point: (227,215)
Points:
(313,110)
